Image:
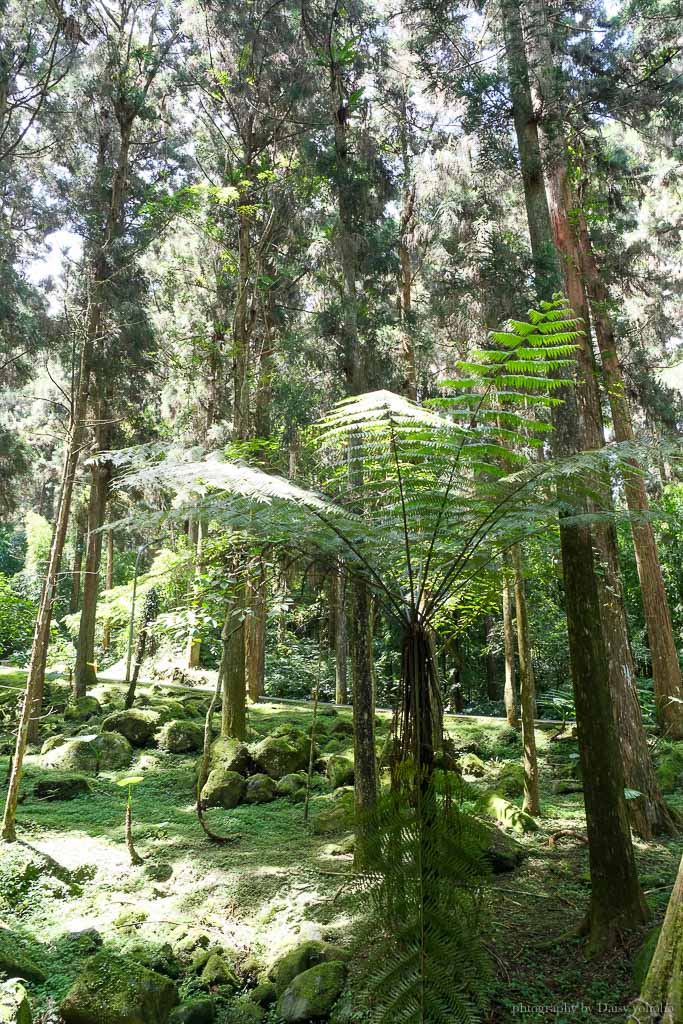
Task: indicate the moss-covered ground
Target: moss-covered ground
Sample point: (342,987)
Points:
(277,879)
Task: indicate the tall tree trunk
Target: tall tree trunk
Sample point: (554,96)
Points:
(491,681)
(617,904)
(194,641)
(75,597)
(405,302)
(364,753)
(510,693)
(232,669)
(532,799)
(255,632)
(84,672)
(341,640)
(41,636)
(666,671)
(551,230)
(108,584)
(661,999)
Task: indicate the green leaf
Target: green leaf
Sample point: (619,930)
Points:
(132,781)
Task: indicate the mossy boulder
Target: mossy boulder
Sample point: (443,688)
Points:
(61,786)
(218,972)
(472,764)
(327,710)
(180,736)
(231,755)
(113,751)
(312,994)
(510,780)
(334,813)
(507,813)
(261,789)
(223,789)
(279,755)
(73,755)
(670,769)
(118,990)
(80,709)
(264,994)
(292,786)
(53,741)
(15,960)
(14,1004)
(137,725)
(342,727)
(340,771)
(197,1011)
(295,961)
(501,852)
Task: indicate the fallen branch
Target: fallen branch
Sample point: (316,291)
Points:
(566,833)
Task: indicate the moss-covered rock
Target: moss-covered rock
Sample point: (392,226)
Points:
(218,972)
(231,755)
(312,994)
(507,813)
(223,789)
(292,786)
(264,994)
(61,786)
(261,789)
(14,1004)
(295,961)
(15,960)
(180,736)
(197,1011)
(74,755)
(510,780)
(670,769)
(340,771)
(113,751)
(342,727)
(334,813)
(282,755)
(472,764)
(500,850)
(80,709)
(53,741)
(137,725)
(117,990)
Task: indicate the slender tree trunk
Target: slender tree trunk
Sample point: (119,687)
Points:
(194,642)
(75,597)
(405,303)
(41,635)
(550,234)
(661,1000)
(84,673)
(108,584)
(666,671)
(510,693)
(341,646)
(232,669)
(364,752)
(532,799)
(491,681)
(255,633)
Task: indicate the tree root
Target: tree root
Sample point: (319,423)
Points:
(566,833)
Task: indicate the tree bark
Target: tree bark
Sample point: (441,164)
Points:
(661,1000)
(108,584)
(532,799)
(255,633)
(510,693)
(232,669)
(491,681)
(617,904)
(41,636)
(341,640)
(84,672)
(666,671)
(194,642)
(364,753)
(75,597)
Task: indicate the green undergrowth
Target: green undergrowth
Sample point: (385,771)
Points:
(277,882)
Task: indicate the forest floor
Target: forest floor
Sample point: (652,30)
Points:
(279,880)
